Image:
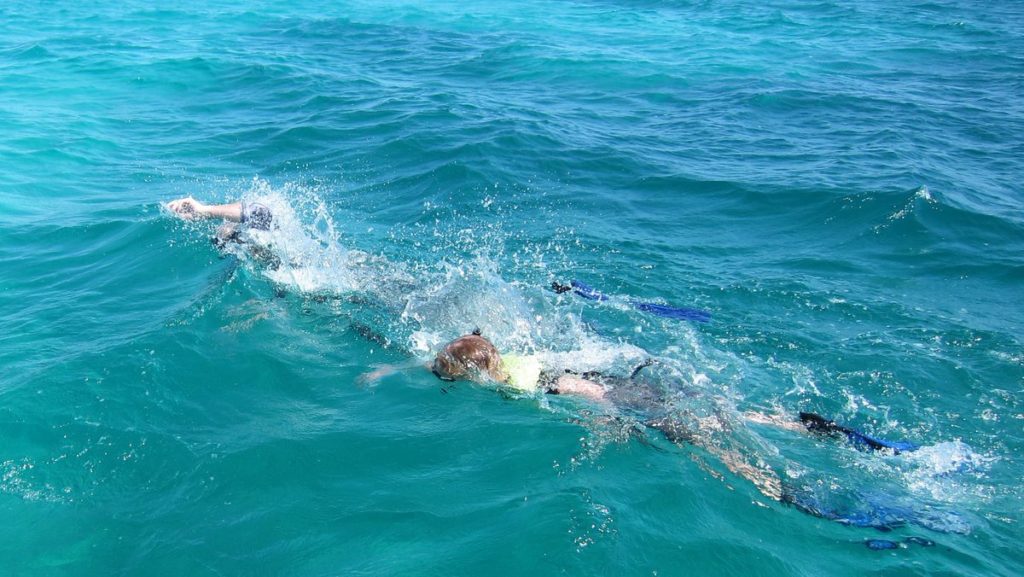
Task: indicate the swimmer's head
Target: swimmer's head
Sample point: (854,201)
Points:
(469,357)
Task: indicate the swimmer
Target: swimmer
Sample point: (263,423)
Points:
(474,358)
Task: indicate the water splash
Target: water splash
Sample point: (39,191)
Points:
(948,458)
(303,249)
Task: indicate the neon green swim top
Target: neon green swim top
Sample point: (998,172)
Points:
(523,371)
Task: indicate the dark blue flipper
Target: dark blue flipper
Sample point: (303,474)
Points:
(818,424)
(880,512)
(875,444)
(806,501)
(670,312)
(588,292)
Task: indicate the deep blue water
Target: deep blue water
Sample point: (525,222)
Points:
(838,184)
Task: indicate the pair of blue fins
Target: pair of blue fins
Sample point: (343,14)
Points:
(880,512)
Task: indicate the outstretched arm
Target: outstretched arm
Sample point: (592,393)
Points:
(379,372)
(573,385)
(189,208)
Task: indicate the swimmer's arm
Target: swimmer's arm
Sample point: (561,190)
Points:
(386,370)
(189,208)
(573,385)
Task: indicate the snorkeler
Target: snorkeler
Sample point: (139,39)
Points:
(472,357)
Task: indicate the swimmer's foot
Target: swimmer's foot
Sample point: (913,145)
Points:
(778,421)
(560,288)
(818,424)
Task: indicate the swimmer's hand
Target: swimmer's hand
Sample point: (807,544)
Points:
(371,378)
(187,208)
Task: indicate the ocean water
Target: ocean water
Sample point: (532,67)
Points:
(837,183)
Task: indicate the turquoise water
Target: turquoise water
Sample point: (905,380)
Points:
(837,183)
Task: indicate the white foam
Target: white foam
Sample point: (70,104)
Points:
(948,458)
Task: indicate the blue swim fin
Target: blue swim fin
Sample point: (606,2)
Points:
(584,290)
(670,312)
(818,424)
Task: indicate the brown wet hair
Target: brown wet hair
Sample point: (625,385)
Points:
(469,357)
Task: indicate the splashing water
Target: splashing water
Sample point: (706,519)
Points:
(303,242)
